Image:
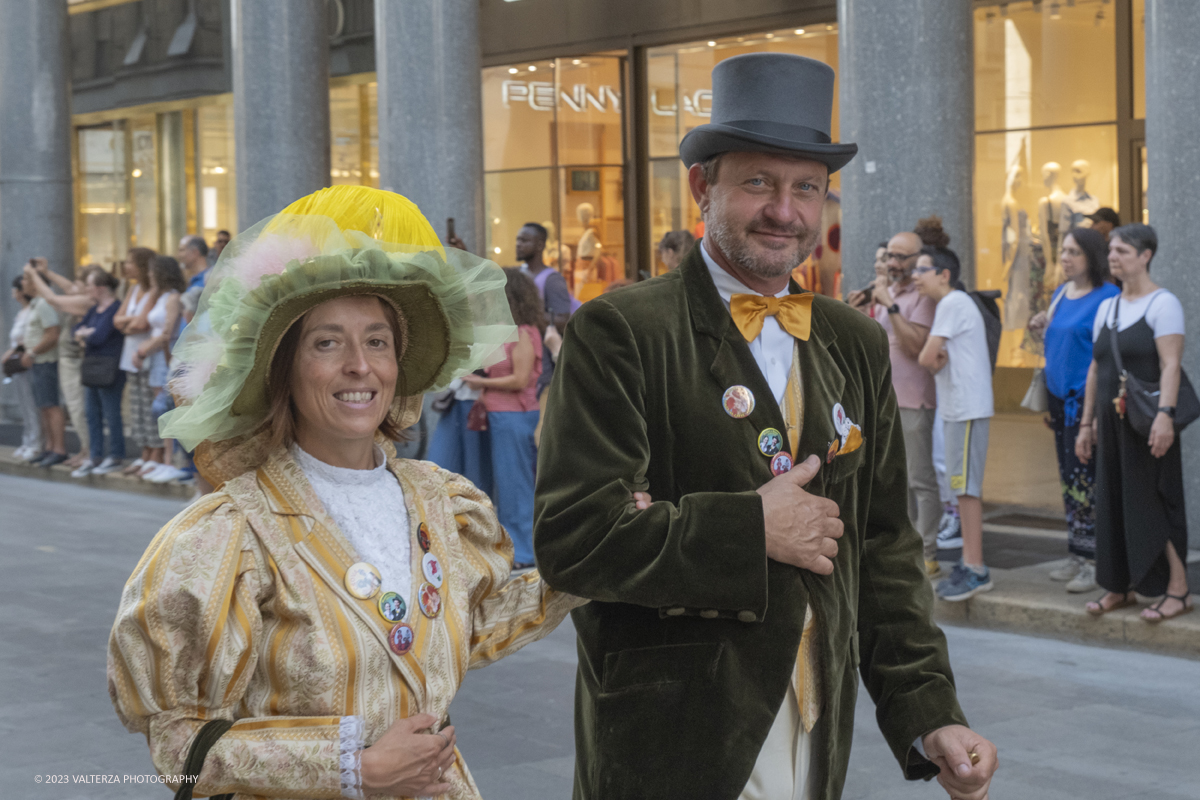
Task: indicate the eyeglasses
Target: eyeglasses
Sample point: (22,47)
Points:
(1072,251)
(922,270)
(899,256)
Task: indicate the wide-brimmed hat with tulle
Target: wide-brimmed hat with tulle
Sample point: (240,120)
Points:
(345,240)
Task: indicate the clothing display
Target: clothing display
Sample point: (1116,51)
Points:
(964,385)
(1018,273)
(1139,498)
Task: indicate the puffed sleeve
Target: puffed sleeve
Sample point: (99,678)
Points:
(182,652)
(507,613)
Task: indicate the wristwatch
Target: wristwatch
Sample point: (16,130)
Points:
(1168,410)
(894,308)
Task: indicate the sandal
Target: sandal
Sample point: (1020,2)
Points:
(1097,608)
(1185,608)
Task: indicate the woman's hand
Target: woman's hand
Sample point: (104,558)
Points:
(407,762)
(1038,322)
(1162,435)
(473,381)
(1084,442)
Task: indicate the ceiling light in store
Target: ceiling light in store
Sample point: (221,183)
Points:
(512,70)
(137,173)
(575,61)
(828,27)
(532,68)
(799,31)
(496,221)
(1055,11)
(496,250)
(218,170)
(374,173)
(770,36)
(712,44)
(741,38)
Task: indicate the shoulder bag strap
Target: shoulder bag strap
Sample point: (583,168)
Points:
(203,742)
(1054,305)
(1112,331)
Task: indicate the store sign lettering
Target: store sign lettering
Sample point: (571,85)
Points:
(540,95)
(698,104)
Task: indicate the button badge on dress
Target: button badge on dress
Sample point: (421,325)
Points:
(738,402)
(781,463)
(400,639)
(432,569)
(423,536)
(363,580)
(430,600)
(770,442)
(392,607)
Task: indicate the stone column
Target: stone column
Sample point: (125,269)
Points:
(36,214)
(280,103)
(906,72)
(1172,108)
(427,59)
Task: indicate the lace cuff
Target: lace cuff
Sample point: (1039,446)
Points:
(350,757)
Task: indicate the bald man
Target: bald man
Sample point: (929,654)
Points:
(907,317)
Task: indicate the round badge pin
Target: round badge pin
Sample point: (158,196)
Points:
(432,569)
(841,423)
(363,580)
(392,607)
(781,463)
(423,536)
(430,600)
(770,442)
(400,639)
(738,402)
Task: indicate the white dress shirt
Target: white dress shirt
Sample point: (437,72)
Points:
(772,350)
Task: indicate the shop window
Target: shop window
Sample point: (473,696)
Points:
(680,98)
(553,154)
(103,192)
(217,178)
(1044,64)
(354,134)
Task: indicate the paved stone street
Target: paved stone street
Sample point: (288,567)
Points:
(1071,721)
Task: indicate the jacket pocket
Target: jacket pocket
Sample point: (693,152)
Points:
(658,666)
(844,467)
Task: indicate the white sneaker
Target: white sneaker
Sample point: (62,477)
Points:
(1069,570)
(108,465)
(165,474)
(84,470)
(1085,581)
(20,453)
(950,537)
(148,468)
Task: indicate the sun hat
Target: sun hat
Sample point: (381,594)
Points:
(341,241)
(770,103)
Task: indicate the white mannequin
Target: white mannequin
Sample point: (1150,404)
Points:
(1009,208)
(588,248)
(1016,247)
(1078,204)
(1050,212)
(557,254)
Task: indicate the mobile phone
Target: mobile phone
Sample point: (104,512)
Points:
(450,228)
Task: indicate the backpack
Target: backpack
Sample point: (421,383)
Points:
(992,326)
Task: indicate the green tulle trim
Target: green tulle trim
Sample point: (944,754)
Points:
(452,303)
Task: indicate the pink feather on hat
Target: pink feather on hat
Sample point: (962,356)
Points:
(269,255)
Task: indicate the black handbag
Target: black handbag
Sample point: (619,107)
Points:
(1138,400)
(203,742)
(99,371)
(12,364)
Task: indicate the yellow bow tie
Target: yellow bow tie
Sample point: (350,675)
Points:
(794,313)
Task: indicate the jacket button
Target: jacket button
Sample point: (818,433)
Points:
(674,612)
(746,616)
(710,613)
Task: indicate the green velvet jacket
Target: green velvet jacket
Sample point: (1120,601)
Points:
(688,645)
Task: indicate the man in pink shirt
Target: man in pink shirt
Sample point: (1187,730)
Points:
(907,317)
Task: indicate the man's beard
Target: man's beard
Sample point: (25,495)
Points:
(736,245)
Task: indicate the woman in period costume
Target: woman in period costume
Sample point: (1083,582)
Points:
(328,598)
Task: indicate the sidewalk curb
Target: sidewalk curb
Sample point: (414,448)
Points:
(111,481)
(1002,610)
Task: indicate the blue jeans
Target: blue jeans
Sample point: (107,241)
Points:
(459,450)
(513,460)
(104,406)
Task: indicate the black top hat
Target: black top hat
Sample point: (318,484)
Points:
(770,103)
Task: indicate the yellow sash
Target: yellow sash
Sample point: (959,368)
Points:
(807,690)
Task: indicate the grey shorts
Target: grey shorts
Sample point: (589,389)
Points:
(43,379)
(966,456)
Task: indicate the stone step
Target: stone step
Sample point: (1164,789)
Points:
(113,480)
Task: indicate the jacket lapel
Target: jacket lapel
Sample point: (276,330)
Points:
(327,553)
(824,385)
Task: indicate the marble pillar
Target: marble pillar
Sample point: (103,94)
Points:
(427,60)
(36,214)
(281,103)
(1173,197)
(907,96)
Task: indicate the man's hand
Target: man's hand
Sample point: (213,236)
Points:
(27,360)
(950,748)
(880,293)
(802,529)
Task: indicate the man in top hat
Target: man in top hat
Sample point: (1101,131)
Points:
(731,614)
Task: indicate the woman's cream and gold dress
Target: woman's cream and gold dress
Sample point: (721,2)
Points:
(239,610)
